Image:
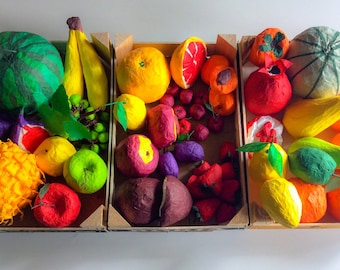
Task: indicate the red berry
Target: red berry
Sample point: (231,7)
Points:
(185,96)
(229,191)
(215,124)
(228,170)
(228,151)
(173,89)
(201,97)
(197,111)
(206,208)
(225,212)
(201,132)
(184,126)
(167,100)
(201,168)
(179,111)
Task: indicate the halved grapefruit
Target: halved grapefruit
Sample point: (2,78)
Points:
(187,60)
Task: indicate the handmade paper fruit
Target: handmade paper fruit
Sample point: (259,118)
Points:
(20,180)
(267,90)
(281,200)
(314,54)
(52,153)
(28,134)
(5,126)
(31,70)
(222,104)
(309,117)
(187,60)
(188,151)
(167,164)
(312,165)
(313,198)
(205,209)
(333,199)
(139,199)
(144,72)
(210,64)
(135,111)
(223,79)
(56,205)
(85,171)
(136,156)
(272,42)
(162,125)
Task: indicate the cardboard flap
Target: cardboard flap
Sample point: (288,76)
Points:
(95,220)
(115,220)
(123,44)
(102,43)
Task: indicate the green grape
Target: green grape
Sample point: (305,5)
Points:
(75,99)
(85,146)
(94,135)
(84,103)
(91,116)
(103,137)
(95,147)
(99,127)
(103,146)
(104,116)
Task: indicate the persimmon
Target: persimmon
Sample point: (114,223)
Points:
(222,104)
(271,41)
(223,79)
(210,64)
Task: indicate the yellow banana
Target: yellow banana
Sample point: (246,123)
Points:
(73,78)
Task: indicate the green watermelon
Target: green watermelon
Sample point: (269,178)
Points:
(31,70)
(315,55)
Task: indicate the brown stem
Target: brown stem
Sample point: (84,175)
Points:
(74,23)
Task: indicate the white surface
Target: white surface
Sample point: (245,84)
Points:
(166,21)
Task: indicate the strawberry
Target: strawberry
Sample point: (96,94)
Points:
(227,151)
(228,170)
(195,189)
(212,179)
(229,191)
(201,168)
(184,126)
(206,208)
(225,212)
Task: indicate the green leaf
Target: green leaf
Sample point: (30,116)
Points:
(76,131)
(252,147)
(265,48)
(275,159)
(333,184)
(267,38)
(43,190)
(121,115)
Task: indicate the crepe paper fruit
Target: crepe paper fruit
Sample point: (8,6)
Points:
(28,134)
(269,161)
(167,99)
(20,180)
(225,212)
(267,90)
(281,200)
(5,126)
(313,198)
(264,128)
(228,170)
(210,64)
(162,125)
(184,126)
(176,202)
(167,164)
(197,111)
(135,110)
(215,124)
(336,126)
(205,209)
(31,71)
(74,77)
(85,172)
(186,96)
(139,199)
(314,54)
(230,190)
(188,151)
(56,205)
(96,81)
(145,73)
(227,151)
(201,168)
(333,199)
(136,156)
(272,42)
(187,60)
(312,165)
(201,96)
(180,111)
(222,104)
(309,117)
(52,153)
(223,79)
(173,89)
(200,132)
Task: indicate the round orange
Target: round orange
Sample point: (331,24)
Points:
(187,60)
(145,73)
(222,104)
(313,198)
(209,65)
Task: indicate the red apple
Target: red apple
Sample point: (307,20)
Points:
(185,96)
(180,111)
(197,111)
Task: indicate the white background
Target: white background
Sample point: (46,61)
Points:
(167,21)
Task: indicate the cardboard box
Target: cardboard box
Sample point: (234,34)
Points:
(258,216)
(226,45)
(93,214)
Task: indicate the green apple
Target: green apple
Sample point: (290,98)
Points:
(85,172)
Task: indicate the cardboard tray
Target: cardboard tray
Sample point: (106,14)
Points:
(227,45)
(258,216)
(93,214)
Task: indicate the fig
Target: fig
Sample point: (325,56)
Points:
(139,199)
(167,164)
(177,201)
(188,151)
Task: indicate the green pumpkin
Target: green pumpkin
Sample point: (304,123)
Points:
(315,55)
(31,70)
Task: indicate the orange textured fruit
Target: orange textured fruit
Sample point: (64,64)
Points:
(336,126)
(187,60)
(335,139)
(222,104)
(223,79)
(333,201)
(210,64)
(145,73)
(313,198)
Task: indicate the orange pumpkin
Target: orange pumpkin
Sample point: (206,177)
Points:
(272,41)
(223,79)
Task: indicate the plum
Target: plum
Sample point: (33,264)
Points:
(139,199)
(167,164)
(177,201)
(188,151)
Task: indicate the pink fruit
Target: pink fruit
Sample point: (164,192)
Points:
(197,111)
(173,89)
(180,111)
(185,96)
(201,132)
(167,100)
(215,124)
(201,97)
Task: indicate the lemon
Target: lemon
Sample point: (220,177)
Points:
(135,109)
(260,168)
(282,202)
(52,153)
